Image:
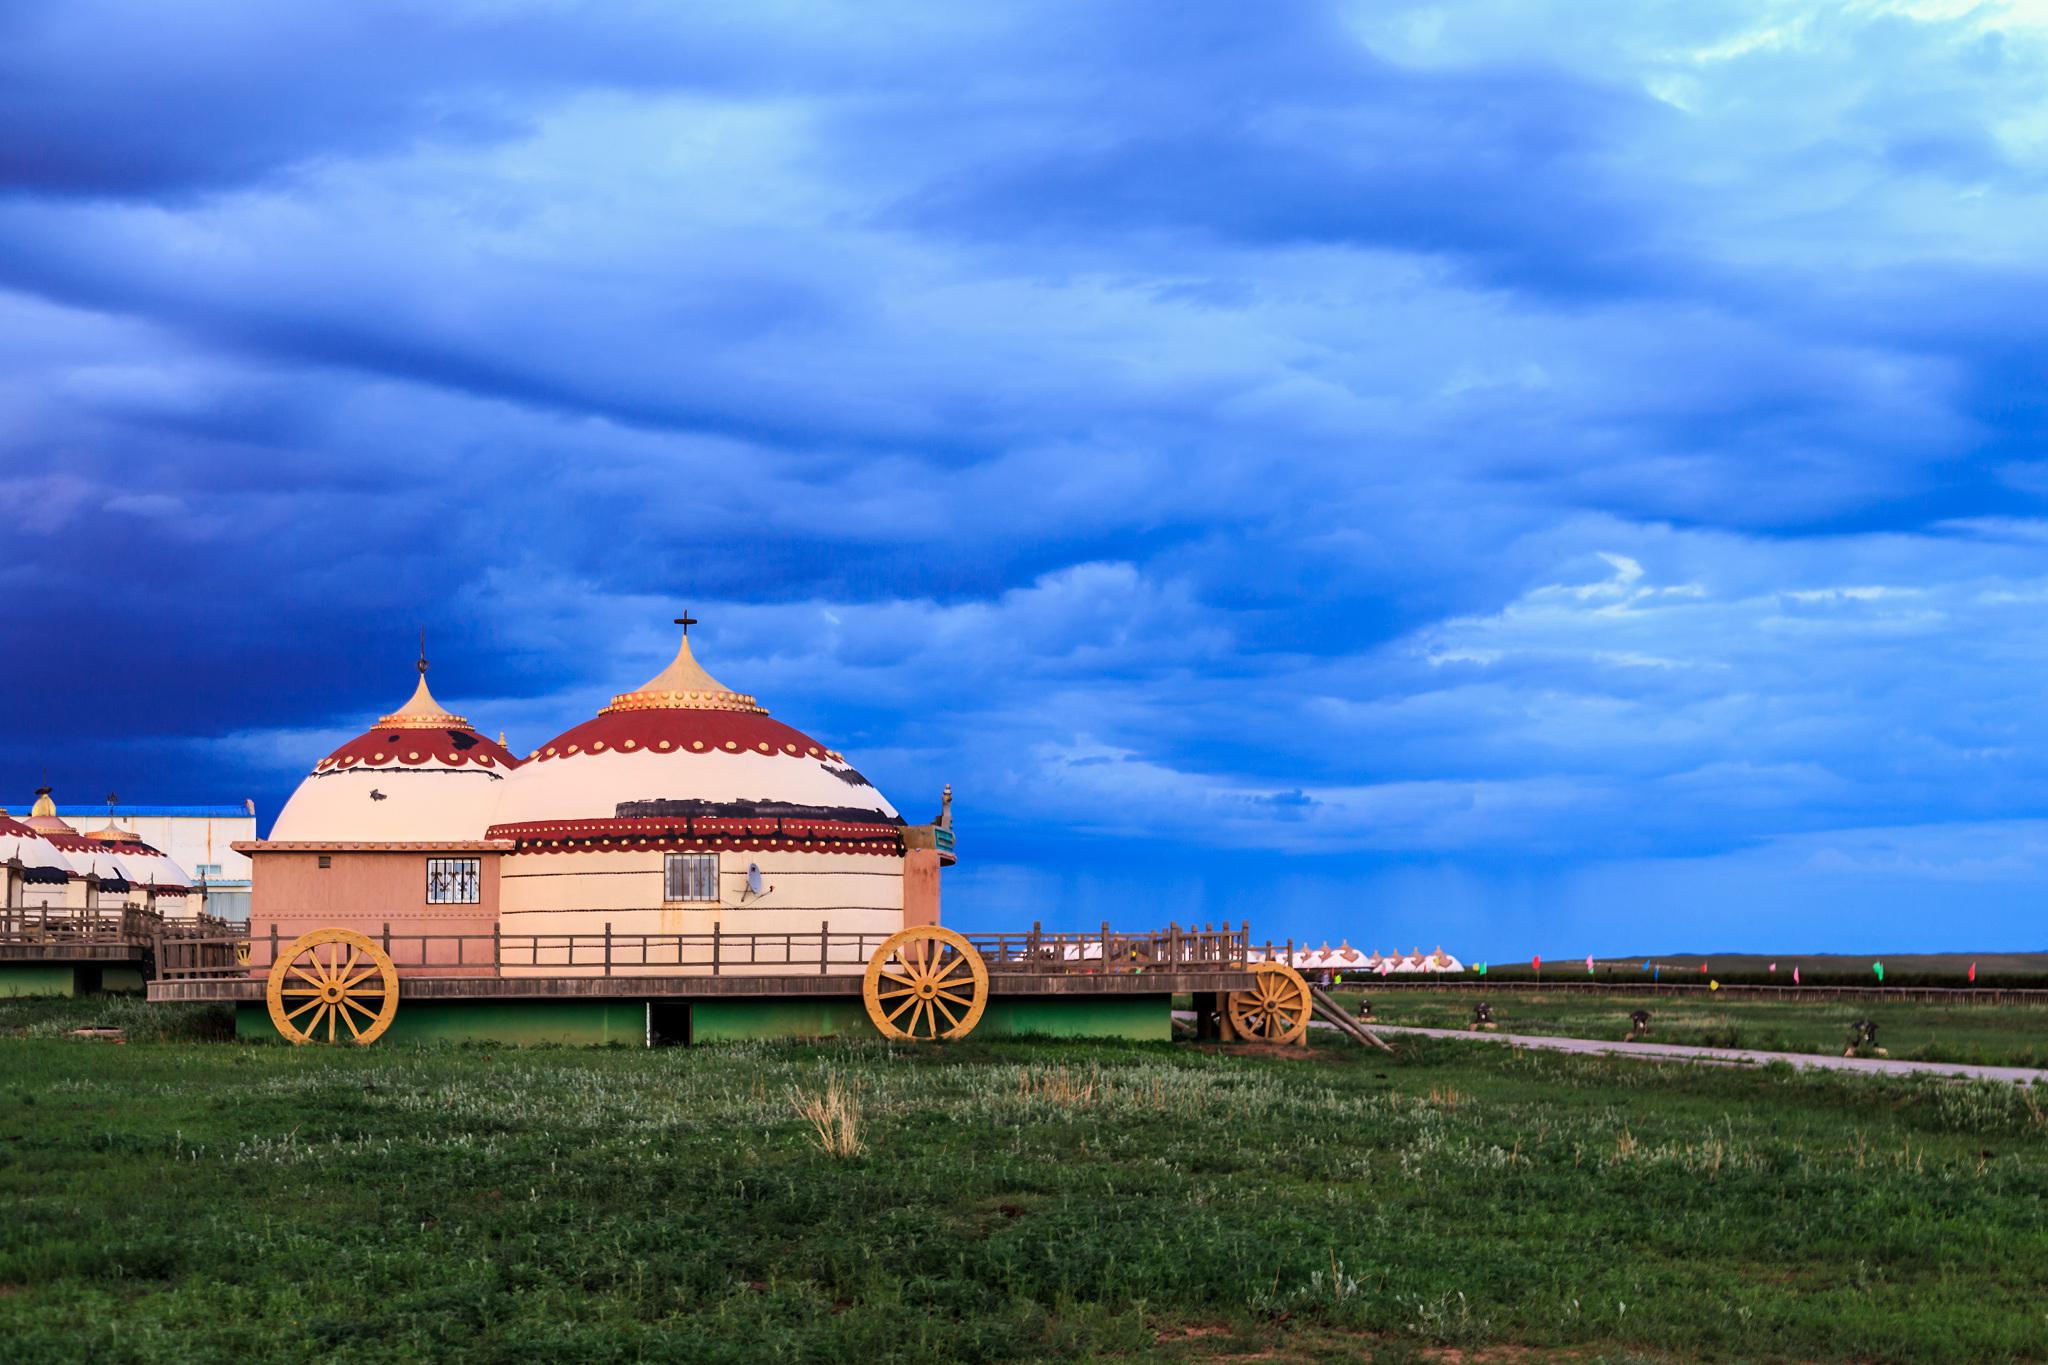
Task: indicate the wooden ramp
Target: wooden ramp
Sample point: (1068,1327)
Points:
(1331,1013)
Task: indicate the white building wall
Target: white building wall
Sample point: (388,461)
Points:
(858,895)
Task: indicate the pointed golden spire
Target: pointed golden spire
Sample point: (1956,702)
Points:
(44,807)
(422,712)
(683,685)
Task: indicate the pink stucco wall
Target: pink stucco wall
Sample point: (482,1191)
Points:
(369,891)
(920,887)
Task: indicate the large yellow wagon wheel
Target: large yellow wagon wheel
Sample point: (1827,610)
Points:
(332,986)
(1275,1009)
(926,983)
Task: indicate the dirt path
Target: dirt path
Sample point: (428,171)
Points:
(1736,1056)
(1714,1056)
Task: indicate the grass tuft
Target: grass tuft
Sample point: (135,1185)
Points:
(834,1117)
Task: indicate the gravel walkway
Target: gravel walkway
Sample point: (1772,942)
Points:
(1732,1056)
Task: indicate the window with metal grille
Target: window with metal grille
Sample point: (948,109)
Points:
(690,877)
(454,881)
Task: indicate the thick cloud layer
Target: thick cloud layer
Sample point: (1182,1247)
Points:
(1541,477)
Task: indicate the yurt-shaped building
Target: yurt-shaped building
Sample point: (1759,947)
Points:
(155,880)
(387,833)
(683,808)
(35,875)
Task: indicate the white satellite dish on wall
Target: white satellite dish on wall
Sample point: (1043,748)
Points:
(754,879)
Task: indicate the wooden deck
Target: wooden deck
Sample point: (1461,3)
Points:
(98,934)
(1163,982)
(682,966)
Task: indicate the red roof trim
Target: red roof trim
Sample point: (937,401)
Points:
(559,836)
(407,747)
(684,731)
(671,844)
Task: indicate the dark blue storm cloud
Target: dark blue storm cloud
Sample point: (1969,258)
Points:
(1535,476)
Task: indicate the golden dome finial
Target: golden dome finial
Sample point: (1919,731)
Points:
(422,712)
(44,807)
(683,685)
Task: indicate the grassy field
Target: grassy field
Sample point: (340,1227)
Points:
(2001,1035)
(178,1200)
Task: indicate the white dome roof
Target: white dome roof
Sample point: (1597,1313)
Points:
(421,776)
(19,842)
(683,743)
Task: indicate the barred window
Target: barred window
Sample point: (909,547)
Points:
(690,877)
(454,881)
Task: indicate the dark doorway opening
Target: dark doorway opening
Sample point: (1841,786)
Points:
(668,1023)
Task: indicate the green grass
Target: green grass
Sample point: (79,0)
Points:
(138,1019)
(1013,1200)
(1993,1035)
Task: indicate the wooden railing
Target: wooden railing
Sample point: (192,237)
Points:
(72,924)
(717,953)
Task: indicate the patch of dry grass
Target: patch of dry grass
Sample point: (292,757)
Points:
(834,1117)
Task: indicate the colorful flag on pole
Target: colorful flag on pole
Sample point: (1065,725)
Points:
(1973,973)
(1773,967)
(1713,985)
(1537,963)
(1795,976)
(1589,964)
(1878,967)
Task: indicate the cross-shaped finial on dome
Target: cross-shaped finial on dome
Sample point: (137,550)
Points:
(686,621)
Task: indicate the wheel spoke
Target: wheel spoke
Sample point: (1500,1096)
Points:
(364,975)
(952,1019)
(301,973)
(956,964)
(960,1000)
(363,1010)
(902,1007)
(302,1009)
(346,1018)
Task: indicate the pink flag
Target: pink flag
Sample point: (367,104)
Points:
(1703,969)
(1537,963)
(1774,966)
(1589,964)
(1973,973)
(1795,976)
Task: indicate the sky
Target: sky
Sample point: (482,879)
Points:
(1528,476)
